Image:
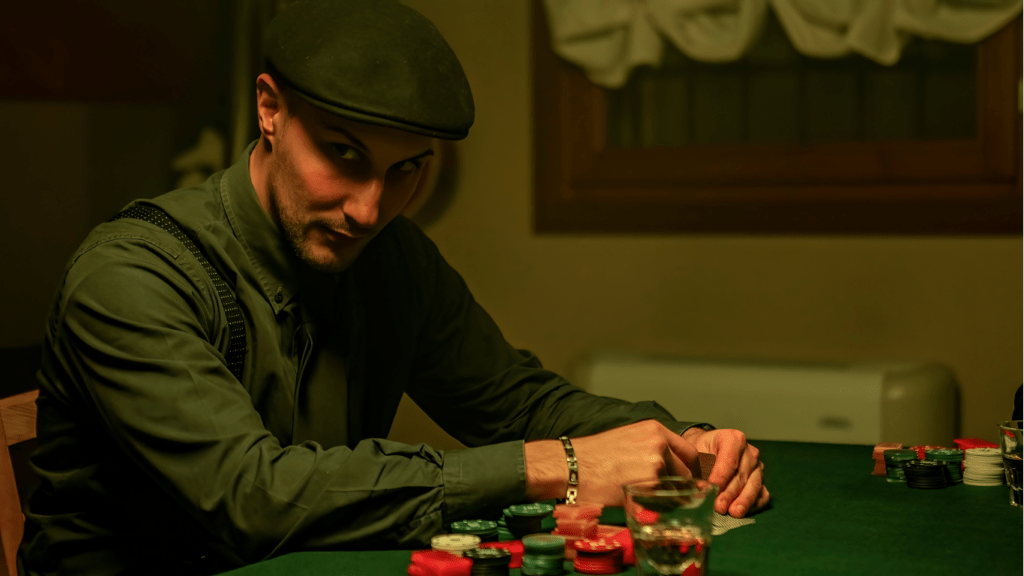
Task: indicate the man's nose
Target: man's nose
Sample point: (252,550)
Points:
(362,208)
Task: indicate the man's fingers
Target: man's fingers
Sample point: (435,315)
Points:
(729,450)
(675,466)
(683,449)
(748,496)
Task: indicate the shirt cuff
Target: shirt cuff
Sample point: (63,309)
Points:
(479,482)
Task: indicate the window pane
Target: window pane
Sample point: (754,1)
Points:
(775,95)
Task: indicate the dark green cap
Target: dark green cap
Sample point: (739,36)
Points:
(373,61)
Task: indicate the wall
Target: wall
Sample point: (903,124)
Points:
(951,300)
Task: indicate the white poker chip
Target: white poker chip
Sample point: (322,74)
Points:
(454,543)
(983,467)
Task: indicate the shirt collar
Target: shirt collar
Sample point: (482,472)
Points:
(276,268)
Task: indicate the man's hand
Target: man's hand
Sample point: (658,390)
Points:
(641,451)
(738,472)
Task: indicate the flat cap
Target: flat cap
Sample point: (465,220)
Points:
(373,61)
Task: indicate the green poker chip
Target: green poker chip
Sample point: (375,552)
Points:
(541,566)
(474,526)
(544,545)
(896,462)
(534,509)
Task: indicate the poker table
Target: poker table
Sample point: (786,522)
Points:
(829,515)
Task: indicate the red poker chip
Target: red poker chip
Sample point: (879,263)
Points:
(598,565)
(578,511)
(595,546)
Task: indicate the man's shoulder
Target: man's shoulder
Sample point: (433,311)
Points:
(192,208)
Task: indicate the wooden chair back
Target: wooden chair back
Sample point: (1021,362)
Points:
(17,424)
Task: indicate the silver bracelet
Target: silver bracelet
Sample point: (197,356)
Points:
(574,471)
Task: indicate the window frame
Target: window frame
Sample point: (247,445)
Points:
(894,187)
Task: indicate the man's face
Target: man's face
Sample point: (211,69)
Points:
(333,184)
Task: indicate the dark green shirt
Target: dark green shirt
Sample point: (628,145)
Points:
(152,453)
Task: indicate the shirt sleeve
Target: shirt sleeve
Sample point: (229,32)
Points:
(133,341)
(483,391)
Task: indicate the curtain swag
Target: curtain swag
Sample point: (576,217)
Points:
(608,38)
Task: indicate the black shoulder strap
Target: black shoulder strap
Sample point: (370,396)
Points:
(236,324)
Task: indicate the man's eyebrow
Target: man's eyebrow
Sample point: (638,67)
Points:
(359,143)
(424,154)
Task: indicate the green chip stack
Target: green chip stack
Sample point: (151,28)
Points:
(895,463)
(543,554)
(487,530)
(523,519)
(952,458)
(504,534)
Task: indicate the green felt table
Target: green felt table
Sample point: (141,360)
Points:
(829,515)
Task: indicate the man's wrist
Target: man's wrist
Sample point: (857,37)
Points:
(547,472)
(695,431)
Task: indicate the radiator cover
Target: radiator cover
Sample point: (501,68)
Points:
(843,403)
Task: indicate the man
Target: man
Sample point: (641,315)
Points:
(161,450)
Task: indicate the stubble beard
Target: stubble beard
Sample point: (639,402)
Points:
(294,230)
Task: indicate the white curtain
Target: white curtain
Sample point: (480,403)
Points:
(608,38)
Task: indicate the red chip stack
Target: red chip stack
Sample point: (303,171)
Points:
(575,522)
(438,563)
(597,556)
(965,443)
(621,535)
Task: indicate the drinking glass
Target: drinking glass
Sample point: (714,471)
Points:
(1010,447)
(670,521)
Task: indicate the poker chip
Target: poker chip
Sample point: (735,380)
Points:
(542,566)
(515,548)
(578,511)
(534,509)
(597,556)
(523,519)
(489,561)
(896,462)
(544,545)
(926,474)
(454,543)
(487,530)
(434,562)
(983,467)
(543,554)
(953,459)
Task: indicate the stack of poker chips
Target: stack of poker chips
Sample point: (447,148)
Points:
(922,449)
(487,530)
(927,474)
(514,547)
(879,455)
(952,458)
(456,544)
(523,519)
(895,463)
(543,555)
(489,561)
(575,522)
(597,556)
(983,467)
(439,563)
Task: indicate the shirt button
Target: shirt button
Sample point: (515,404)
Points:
(278,297)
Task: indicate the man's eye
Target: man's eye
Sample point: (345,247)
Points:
(347,152)
(408,166)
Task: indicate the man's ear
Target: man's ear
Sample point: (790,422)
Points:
(270,106)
